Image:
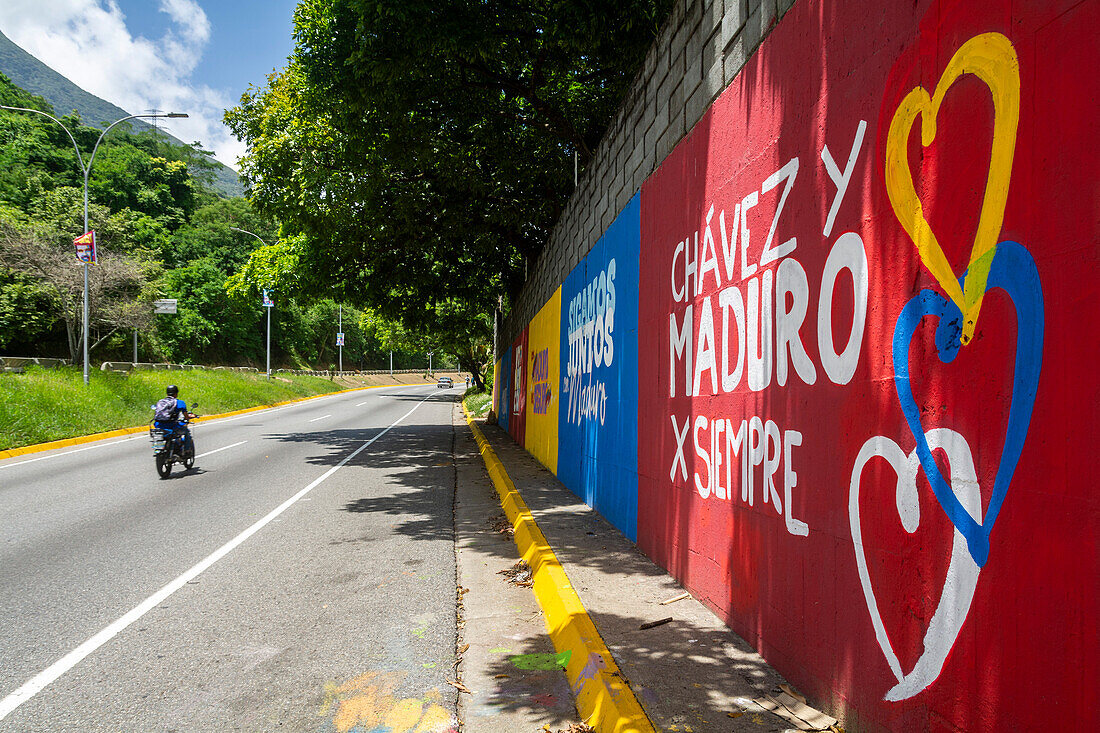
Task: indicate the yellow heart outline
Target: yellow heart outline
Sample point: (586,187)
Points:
(990,57)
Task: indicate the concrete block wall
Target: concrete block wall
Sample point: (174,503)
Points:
(816,333)
(701,48)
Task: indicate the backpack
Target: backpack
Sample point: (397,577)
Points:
(165,410)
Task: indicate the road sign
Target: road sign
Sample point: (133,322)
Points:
(85,247)
(268,302)
(165,306)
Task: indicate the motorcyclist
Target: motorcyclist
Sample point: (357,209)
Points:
(167,416)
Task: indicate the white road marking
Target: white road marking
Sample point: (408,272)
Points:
(216,450)
(37,683)
(363,403)
(320,418)
(77,450)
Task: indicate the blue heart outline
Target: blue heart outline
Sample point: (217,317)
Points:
(1014,271)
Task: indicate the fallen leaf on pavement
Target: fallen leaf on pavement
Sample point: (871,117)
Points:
(519,574)
(460,687)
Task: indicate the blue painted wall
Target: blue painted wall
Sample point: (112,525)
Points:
(598,413)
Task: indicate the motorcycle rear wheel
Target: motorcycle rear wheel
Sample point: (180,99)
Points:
(164,466)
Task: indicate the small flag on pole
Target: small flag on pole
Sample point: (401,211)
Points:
(85,247)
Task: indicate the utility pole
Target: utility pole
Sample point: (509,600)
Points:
(340,328)
(87,170)
(268,303)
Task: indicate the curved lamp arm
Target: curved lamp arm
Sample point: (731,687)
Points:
(245,231)
(76,147)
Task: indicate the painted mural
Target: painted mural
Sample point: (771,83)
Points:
(854,331)
(598,421)
(517,394)
(852,412)
(502,389)
(543,400)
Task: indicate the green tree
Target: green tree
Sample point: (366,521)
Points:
(126,177)
(117,284)
(28,310)
(423,150)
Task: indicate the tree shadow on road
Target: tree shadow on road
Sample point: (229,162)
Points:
(406,474)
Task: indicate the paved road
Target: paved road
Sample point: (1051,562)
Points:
(332,614)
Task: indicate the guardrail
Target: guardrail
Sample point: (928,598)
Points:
(129,366)
(359,372)
(18,364)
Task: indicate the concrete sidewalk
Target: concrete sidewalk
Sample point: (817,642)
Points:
(689,674)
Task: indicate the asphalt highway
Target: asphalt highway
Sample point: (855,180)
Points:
(300,577)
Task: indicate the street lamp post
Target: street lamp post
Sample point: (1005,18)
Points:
(340,328)
(268,348)
(87,170)
(245,231)
(430,362)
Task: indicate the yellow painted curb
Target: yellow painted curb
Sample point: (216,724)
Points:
(67,442)
(604,699)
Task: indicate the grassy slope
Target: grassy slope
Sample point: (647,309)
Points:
(477,402)
(51,404)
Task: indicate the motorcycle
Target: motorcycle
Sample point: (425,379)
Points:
(169,445)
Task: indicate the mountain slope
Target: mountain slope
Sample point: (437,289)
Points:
(34,76)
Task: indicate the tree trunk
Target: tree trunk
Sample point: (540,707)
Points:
(73,337)
(467,363)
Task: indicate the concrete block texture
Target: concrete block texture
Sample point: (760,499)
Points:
(769,12)
(736,55)
(733,19)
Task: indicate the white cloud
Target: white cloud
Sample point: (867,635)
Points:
(88,42)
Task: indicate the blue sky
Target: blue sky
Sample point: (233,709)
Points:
(194,56)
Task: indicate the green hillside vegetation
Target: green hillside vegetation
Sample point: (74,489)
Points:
(29,73)
(162,232)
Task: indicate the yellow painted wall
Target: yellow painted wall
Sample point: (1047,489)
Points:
(543,347)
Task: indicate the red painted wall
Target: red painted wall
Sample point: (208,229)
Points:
(925,555)
(517,421)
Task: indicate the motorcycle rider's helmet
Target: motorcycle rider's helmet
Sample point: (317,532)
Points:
(173,390)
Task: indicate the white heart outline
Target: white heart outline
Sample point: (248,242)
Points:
(962,572)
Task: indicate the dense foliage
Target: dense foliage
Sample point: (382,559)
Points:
(162,233)
(420,151)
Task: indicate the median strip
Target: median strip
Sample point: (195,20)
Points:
(603,697)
